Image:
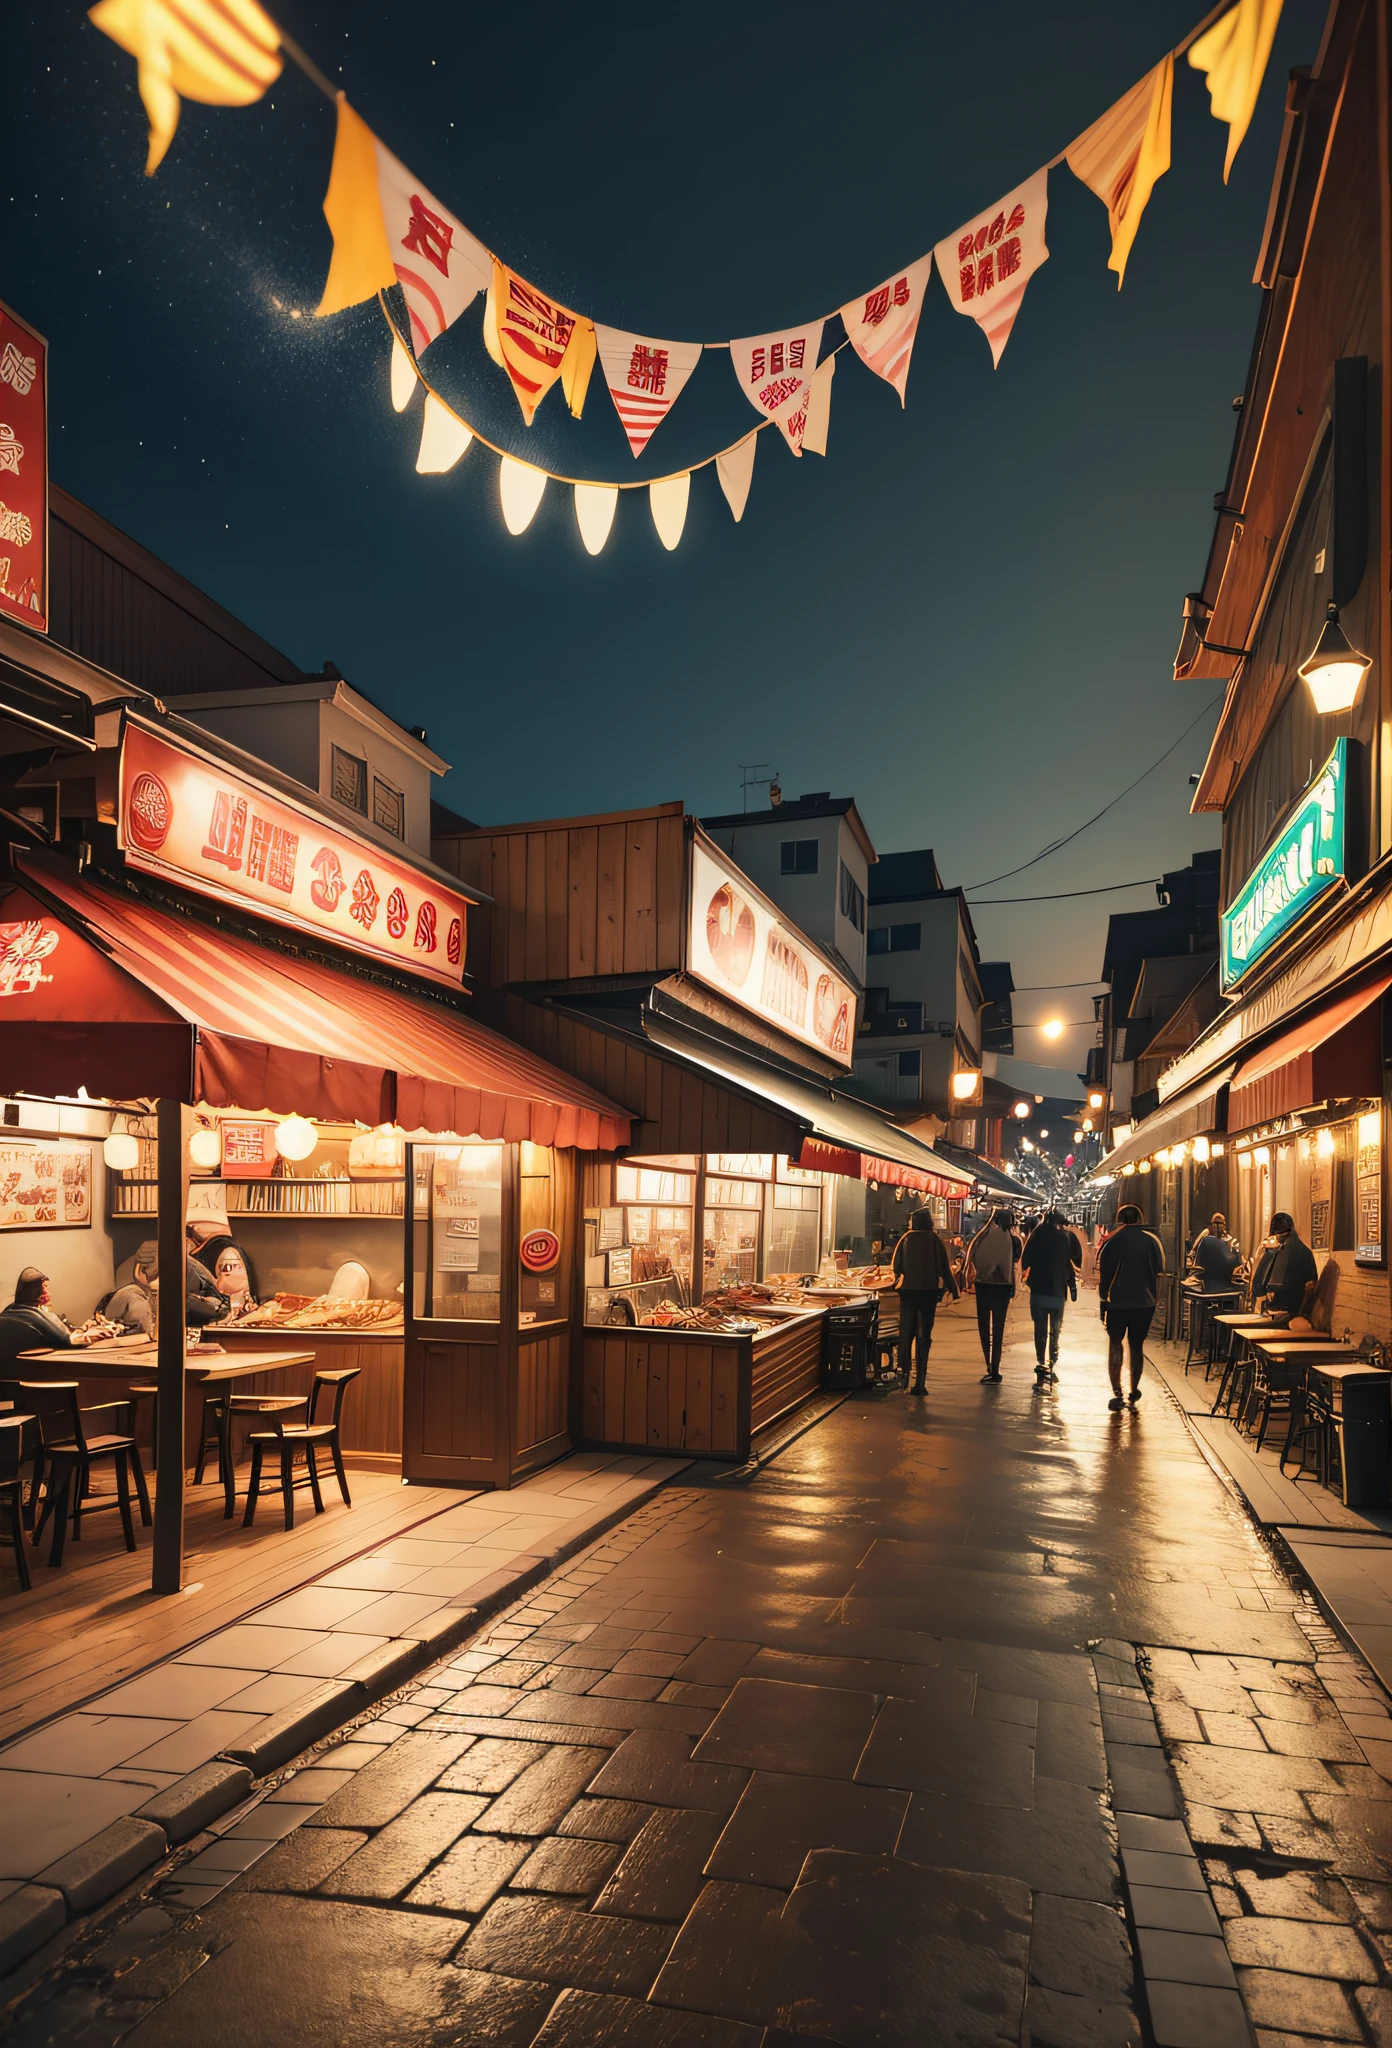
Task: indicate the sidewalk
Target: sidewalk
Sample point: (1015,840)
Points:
(1345,1553)
(985,1720)
(93,1798)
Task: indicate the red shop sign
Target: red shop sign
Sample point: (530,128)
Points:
(539,1250)
(187,817)
(23,473)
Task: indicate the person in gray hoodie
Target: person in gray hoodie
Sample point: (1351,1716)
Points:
(992,1257)
(923,1274)
(1132,1260)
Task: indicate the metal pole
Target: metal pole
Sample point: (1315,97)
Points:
(172,1199)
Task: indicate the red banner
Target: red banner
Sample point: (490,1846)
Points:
(187,817)
(23,473)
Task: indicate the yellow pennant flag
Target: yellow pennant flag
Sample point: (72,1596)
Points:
(536,340)
(224,53)
(1233,54)
(1122,156)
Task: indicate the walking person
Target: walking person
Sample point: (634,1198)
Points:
(992,1257)
(1050,1266)
(923,1274)
(1132,1260)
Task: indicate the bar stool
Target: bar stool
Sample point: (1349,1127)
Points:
(289,1439)
(1236,1380)
(1311,1420)
(1272,1387)
(1203,1328)
(12,1488)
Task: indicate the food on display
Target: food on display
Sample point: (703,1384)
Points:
(324,1312)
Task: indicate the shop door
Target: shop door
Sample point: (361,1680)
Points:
(459,1299)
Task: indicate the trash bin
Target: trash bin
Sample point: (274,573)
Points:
(848,1344)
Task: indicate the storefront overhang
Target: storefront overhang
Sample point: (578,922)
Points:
(1191,1115)
(1334,1052)
(110,993)
(993,1182)
(841,1134)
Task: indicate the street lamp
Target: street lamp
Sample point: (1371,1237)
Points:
(1335,670)
(1054,1028)
(1096,1099)
(1021,1109)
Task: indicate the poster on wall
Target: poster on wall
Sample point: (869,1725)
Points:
(23,473)
(45,1184)
(739,945)
(1321,1206)
(1367,1190)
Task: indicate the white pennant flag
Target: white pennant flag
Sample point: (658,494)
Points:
(986,265)
(814,438)
(645,378)
(881,326)
(444,438)
(775,374)
(439,265)
(735,469)
(594,514)
(667,500)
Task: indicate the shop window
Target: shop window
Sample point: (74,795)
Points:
(798,857)
(1345,1209)
(895,938)
(792,1224)
(638,1247)
(732,1219)
(852,899)
(388,808)
(910,1065)
(349,780)
(457,1233)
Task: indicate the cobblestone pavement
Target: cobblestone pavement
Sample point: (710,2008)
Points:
(985,1719)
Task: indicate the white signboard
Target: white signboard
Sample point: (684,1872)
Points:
(738,945)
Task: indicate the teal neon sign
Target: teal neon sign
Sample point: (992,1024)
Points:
(1305,859)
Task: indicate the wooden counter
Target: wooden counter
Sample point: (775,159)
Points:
(696,1391)
(372,1405)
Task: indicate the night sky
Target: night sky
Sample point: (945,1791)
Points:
(965,616)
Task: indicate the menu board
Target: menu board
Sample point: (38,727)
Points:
(1368,1190)
(45,1184)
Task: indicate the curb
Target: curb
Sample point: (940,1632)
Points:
(90,1875)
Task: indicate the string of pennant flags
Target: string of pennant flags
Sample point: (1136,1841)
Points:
(395,242)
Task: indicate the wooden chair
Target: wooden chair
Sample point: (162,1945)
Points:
(311,1436)
(67,1457)
(12,1487)
(219,1407)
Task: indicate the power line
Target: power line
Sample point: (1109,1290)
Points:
(1069,837)
(1058,896)
(1040,988)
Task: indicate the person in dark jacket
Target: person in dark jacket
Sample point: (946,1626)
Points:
(923,1275)
(1132,1260)
(30,1323)
(1285,1270)
(1051,1264)
(1216,1257)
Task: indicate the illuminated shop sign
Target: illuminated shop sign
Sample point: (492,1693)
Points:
(23,473)
(738,945)
(185,816)
(1304,860)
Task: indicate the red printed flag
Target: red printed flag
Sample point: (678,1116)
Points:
(775,375)
(881,326)
(439,265)
(536,340)
(645,378)
(986,265)
(23,473)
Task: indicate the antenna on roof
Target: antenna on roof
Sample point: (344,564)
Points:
(759,775)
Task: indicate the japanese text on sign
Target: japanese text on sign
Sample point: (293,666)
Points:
(24,468)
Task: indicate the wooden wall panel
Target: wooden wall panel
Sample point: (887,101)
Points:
(451,1412)
(542,1386)
(672,1393)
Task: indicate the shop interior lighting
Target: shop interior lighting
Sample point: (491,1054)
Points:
(1130,1167)
(1324,1143)
(1087,1123)
(1369,1128)
(966,1083)
(1144,1166)
(1217,1149)
(1021,1109)
(1244,1160)
(1200,1151)
(1096,1099)
(1262,1155)
(295,1137)
(205,1147)
(121,1151)
(1077,1137)
(1336,669)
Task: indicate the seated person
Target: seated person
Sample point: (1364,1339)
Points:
(1286,1270)
(133,1306)
(232,1274)
(202,1301)
(30,1323)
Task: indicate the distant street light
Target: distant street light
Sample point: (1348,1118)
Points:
(1054,1028)
(1021,1109)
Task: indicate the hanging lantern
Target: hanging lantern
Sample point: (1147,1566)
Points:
(121,1152)
(295,1137)
(205,1147)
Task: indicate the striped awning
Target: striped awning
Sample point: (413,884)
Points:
(262,1030)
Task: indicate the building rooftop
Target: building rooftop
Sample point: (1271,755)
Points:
(817,803)
(905,877)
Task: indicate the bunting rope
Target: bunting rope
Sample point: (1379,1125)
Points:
(395,242)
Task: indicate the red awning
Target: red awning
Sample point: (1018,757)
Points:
(198,1013)
(820,1158)
(1336,1051)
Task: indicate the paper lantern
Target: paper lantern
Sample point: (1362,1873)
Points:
(295,1137)
(594,514)
(403,376)
(121,1151)
(443,438)
(205,1148)
(668,498)
(519,490)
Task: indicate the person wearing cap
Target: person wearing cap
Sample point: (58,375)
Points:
(133,1306)
(1286,1270)
(30,1323)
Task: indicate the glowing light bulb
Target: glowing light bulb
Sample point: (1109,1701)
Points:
(205,1148)
(121,1151)
(295,1137)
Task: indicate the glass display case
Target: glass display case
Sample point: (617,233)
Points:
(457,1232)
